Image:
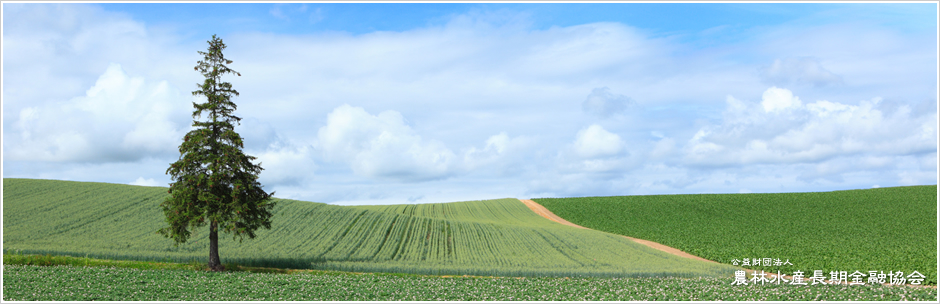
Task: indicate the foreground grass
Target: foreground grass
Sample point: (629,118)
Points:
(52,260)
(883,230)
(71,283)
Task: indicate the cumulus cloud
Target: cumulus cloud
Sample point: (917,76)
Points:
(383,146)
(67,45)
(603,103)
(285,164)
(798,71)
(782,130)
(499,150)
(595,142)
(120,118)
(595,154)
(149,182)
(522,78)
(777,99)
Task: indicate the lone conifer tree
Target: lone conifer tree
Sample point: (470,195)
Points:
(214,180)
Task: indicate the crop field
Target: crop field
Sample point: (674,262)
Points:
(46,283)
(883,230)
(495,237)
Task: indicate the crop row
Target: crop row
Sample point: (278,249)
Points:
(884,230)
(493,237)
(57,283)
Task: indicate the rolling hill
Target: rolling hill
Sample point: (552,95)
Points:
(492,237)
(883,230)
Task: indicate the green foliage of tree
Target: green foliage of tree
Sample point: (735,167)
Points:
(214,181)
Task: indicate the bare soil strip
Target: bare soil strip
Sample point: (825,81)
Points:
(541,210)
(544,212)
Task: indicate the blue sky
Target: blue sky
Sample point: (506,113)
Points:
(360,18)
(394,103)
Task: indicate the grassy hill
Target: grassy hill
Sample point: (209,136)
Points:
(493,237)
(883,230)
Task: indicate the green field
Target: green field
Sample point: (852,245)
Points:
(52,283)
(884,229)
(494,237)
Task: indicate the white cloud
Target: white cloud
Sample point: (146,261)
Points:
(383,146)
(782,130)
(120,118)
(595,154)
(491,102)
(603,103)
(285,165)
(594,142)
(67,45)
(798,71)
(471,65)
(149,182)
(873,59)
(777,99)
(496,151)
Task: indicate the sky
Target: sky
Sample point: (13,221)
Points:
(370,103)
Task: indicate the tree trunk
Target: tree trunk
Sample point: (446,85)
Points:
(214,263)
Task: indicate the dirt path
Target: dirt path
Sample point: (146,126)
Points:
(544,212)
(541,210)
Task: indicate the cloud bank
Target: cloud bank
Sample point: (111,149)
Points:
(121,118)
(383,146)
(781,130)
(480,105)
